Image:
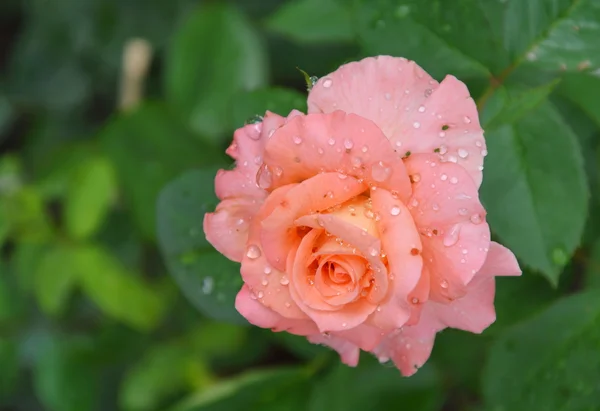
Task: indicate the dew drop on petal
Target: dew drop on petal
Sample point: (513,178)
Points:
(444,177)
(320,151)
(467,119)
(265,282)
(348,144)
(451,236)
(416,124)
(260,294)
(395,210)
(476,219)
(453,180)
(442,134)
(268,270)
(284,280)
(444,284)
(264,178)
(422,109)
(484,153)
(478,143)
(380,172)
(388,96)
(443,149)
(331,141)
(327,83)
(462,211)
(297,139)
(253,252)
(373,251)
(462,153)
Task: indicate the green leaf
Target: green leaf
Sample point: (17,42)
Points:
(549,362)
(374,386)
(63,380)
(515,104)
(556,35)
(9,358)
(161,373)
(89,197)
(592,271)
(149,147)
(213,56)
(25,211)
(535,190)
(209,280)
(308,21)
(252,391)
(116,291)
(253,103)
(55,279)
(584,91)
(441,37)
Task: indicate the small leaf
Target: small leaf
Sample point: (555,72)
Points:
(28,219)
(209,280)
(55,278)
(214,55)
(549,362)
(535,189)
(308,21)
(116,291)
(276,100)
(88,200)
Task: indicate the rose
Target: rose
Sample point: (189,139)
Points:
(359,224)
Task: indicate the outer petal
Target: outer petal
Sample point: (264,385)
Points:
(399,238)
(414,112)
(336,142)
(410,347)
(259,315)
(227,228)
(446,208)
(349,353)
(500,261)
(264,279)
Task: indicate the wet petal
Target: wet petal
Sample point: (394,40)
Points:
(349,353)
(336,142)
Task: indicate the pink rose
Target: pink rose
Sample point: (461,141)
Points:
(359,224)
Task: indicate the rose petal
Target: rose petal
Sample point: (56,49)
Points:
(259,315)
(399,237)
(346,143)
(447,212)
(410,347)
(227,228)
(315,194)
(349,353)
(500,261)
(263,278)
(409,106)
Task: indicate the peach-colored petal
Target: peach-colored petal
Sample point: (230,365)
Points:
(500,261)
(349,353)
(410,347)
(447,212)
(412,110)
(340,142)
(263,278)
(400,241)
(303,291)
(315,194)
(257,314)
(227,228)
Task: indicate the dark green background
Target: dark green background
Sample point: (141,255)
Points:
(110,296)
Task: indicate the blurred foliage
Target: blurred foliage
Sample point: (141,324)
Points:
(90,319)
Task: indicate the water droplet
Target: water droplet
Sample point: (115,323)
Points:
(442,134)
(462,211)
(373,251)
(268,270)
(452,159)
(484,153)
(444,177)
(462,153)
(467,119)
(364,149)
(264,178)
(416,124)
(415,178)
(327,82)
(451,236)
(253,252)
(444,284)
(264,282)
(329,194)
(287,304)
(331,141)
(342,176)
(476,219)
(344,324)
(435,206)
(388,96)
(421,109)
(395,210)
(380,172)
(465,251)
(284,280)
(320,151)
(478,143)
(428,92)
(297,140)
(260,294)
(207,285)
(453,180)
(356,162)
(415,300)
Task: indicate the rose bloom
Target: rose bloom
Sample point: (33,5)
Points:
(359,225)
